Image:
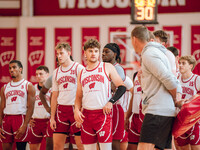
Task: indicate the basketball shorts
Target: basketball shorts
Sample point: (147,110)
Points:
(134,129)
(10,124)
(65,121)
(191,137)
(157,130)
(97,126)
(125,137)
(40,130)
(118,122)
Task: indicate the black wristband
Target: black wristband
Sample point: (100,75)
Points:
(120,91)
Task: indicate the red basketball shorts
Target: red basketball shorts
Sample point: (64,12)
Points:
(40,130)
(96,127)
(10,124)
(118,122)
(134,129)
(192,136)
(65,121)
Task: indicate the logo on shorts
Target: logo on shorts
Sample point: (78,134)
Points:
(102,133)
(192,137)
(13,99)
(91,86)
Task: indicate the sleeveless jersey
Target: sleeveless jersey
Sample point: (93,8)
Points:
(65,81)
(127,95)
(96,87)
(39,110)
(190,86)
(137,97)
(16,97)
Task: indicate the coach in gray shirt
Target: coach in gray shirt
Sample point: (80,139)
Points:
(159,87)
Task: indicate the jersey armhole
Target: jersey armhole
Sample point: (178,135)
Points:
(27,86)
(81,75)
(56,74)
(104,69)
(76,70)
(5,85)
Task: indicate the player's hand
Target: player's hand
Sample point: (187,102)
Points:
(126,124)
(180,103)
(1,134)
(20,132)
(53,124)
(78,116)
(78,125)
(32,123)
(107,108)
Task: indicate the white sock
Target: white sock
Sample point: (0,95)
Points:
(90,146)
(105,146)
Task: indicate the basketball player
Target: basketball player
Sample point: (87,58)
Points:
(63,96)
(70,142)
(175,51)
(111,54)
(191,87)
(133,113)
(162,38)
(159,92)
(17,104)
(94,96)
(125,105)
(40,127)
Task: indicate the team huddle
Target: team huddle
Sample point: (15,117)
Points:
(98,107)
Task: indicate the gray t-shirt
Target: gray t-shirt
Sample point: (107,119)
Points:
(120,71)
(48,83)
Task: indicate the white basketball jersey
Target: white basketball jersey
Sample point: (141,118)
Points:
(39,110)
(137,97)
(127,95)
(96,87)
(16,97)
(66,83)
(190,86)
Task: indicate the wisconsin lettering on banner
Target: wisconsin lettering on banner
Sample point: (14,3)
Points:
(7,53)
(36,51)
(195,46)
(88,33)
(86,7)
(63,35)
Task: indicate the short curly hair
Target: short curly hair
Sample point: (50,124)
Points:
(91,43)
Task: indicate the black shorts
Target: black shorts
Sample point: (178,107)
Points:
(157,130)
